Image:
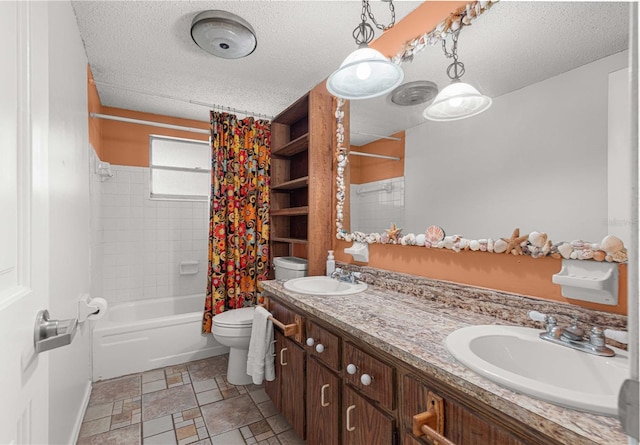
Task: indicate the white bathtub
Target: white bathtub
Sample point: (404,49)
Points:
(147,334)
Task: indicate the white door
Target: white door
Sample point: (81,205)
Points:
(24,213)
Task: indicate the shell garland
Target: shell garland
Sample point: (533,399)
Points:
(464,16)
(534,244)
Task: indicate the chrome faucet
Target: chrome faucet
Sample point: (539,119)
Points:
(345,275)
(573,336)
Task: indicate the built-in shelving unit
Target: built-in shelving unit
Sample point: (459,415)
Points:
(301,180)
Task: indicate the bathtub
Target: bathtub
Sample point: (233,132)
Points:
(142,335)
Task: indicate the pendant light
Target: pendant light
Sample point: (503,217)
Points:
(366,73)
(457,100)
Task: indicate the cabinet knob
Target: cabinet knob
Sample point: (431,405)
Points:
(366,379)
(352,369)
(319,348)
(310,341)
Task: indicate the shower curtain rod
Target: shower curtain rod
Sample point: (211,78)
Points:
(180,99)
(373,155)
(379,136)
(151,123)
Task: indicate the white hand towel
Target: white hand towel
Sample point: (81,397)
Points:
(260,359)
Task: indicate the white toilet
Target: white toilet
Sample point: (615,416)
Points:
(233,328)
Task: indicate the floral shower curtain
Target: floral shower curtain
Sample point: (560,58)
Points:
(239,215)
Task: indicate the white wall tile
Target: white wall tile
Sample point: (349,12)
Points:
(142,240)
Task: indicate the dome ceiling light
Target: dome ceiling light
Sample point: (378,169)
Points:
(366,72)
(223,34)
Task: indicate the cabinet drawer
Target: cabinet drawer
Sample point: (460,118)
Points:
(382,382)
(323,345)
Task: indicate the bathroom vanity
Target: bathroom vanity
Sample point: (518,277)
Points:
(372,368)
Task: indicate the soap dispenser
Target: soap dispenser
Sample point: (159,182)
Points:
(331,263)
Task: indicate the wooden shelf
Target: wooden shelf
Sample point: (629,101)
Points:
(289,240)
(293,211)
(294,184)
(294,147)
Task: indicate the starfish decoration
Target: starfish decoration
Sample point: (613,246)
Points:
(393,232)
(513,243)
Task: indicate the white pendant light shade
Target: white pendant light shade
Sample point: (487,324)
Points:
(458,100)
(364,74)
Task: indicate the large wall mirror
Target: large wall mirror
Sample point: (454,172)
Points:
(550,155)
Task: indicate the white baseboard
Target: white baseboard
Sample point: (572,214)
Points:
(78,423)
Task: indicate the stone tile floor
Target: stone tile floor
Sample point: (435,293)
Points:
(183,404)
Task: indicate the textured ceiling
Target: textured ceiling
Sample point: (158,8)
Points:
(147,46)
(513,45)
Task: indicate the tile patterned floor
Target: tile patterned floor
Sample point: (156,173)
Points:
(184,404)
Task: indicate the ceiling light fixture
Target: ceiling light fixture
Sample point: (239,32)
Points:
(458,100)
(366,73)
(223,34)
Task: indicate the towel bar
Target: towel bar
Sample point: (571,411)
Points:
(294,329)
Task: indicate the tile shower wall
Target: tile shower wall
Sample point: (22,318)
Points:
(375,204)
(95,218)
(144,241)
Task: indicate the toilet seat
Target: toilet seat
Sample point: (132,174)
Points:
(242,317)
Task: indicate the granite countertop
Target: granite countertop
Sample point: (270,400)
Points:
(414,330)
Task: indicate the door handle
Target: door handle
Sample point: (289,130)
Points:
(50,334)
(282,362)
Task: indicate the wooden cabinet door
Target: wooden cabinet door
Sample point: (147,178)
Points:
(323,405)
(461,426)
(291,359)
(272,388)
(363,423)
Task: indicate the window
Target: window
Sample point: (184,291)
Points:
(180,168)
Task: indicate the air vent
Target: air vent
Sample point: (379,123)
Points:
(414,93)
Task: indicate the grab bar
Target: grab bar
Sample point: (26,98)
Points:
(294,329)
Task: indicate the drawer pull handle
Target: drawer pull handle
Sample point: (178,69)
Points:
(352,369)
(310,341)
(349,427)
(319,348)
(431,422)
(366,379)
(282,362)
(322,402)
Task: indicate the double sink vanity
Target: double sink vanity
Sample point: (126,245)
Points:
(411,360)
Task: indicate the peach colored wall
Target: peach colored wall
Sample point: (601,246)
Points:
(94,106)
(422,19)
(366,169)
(126,143)
(520,275)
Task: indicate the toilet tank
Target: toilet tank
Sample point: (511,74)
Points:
(288,267)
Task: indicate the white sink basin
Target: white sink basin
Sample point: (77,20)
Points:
(323,286)
(517,358)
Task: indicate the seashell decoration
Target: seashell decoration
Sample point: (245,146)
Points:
(565,250)
(611,244)
(500,246)
(537,239)
(434,234)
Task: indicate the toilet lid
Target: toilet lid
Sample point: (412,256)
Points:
(235,317)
